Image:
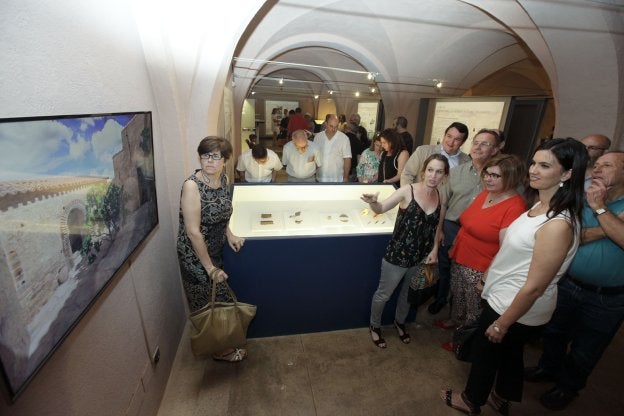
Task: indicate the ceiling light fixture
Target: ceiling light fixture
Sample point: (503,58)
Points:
(369,75)
(281,81)
(316,96)
(357,93)
(437,84)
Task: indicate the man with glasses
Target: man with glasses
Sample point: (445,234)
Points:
(596,145)
(301,158)
(461,188)
(454,137)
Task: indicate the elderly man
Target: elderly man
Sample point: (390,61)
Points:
(462,187)
(590,299)
(301,158)
(454,136)
(258,164)
(596,145)
(335,153)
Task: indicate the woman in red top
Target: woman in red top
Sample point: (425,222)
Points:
(483,225)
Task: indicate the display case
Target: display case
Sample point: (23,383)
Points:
(284,210)
(312,255)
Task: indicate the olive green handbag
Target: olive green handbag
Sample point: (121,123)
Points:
(220,325)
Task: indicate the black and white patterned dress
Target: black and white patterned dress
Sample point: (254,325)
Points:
(216,209)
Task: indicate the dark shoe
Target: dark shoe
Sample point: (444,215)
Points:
(435,307)
(379,342)
(537,375)
(405,337)
(499,404)
(557,399)
(466,407)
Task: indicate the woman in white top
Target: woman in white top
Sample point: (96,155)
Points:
(520,285)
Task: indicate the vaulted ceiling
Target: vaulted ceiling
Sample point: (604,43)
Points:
(301,49)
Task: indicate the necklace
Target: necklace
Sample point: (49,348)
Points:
(206,178)
(497,198)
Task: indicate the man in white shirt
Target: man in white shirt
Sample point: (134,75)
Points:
(454,137)
(301,158)
(335,153)
(258,164)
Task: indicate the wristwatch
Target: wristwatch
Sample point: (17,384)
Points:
(600,211)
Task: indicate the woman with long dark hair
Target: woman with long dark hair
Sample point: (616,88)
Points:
(393,158)
(521,283)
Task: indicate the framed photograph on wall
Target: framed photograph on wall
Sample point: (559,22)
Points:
(77,197)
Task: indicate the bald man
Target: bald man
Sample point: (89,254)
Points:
(596,145)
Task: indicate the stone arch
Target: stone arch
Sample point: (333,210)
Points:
(73,228)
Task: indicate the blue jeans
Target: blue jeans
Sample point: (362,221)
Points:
(450,228)
(587,322)
(390,278)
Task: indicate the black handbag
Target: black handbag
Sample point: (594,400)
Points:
(422,284)
(463,338)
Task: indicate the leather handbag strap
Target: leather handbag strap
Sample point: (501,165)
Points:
(214,288)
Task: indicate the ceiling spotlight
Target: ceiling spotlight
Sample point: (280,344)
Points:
(331,92)
(372,90)
(253,93)
(281,81)
(316,96)
(370,76)
(437,84)
(357,93)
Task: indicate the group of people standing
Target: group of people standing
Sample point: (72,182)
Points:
(339,152)
(522,255)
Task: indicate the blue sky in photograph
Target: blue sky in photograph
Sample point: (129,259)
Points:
(60,146)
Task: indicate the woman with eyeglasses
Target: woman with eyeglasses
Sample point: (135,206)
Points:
(483,226)
(205,210)
(520,289)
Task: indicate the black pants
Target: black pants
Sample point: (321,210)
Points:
(502,363)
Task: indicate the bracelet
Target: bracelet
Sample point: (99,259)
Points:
(496,327)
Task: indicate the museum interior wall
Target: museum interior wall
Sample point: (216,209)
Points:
(86,57)
(77,57)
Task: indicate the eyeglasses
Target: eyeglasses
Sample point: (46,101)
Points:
(482,143)
(487,174)
(595,148)
(213,156)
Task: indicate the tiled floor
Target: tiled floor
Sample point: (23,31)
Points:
(343,373)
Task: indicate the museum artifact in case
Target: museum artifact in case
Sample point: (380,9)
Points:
(284,210)
(312,255)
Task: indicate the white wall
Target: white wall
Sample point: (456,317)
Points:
(81,57)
